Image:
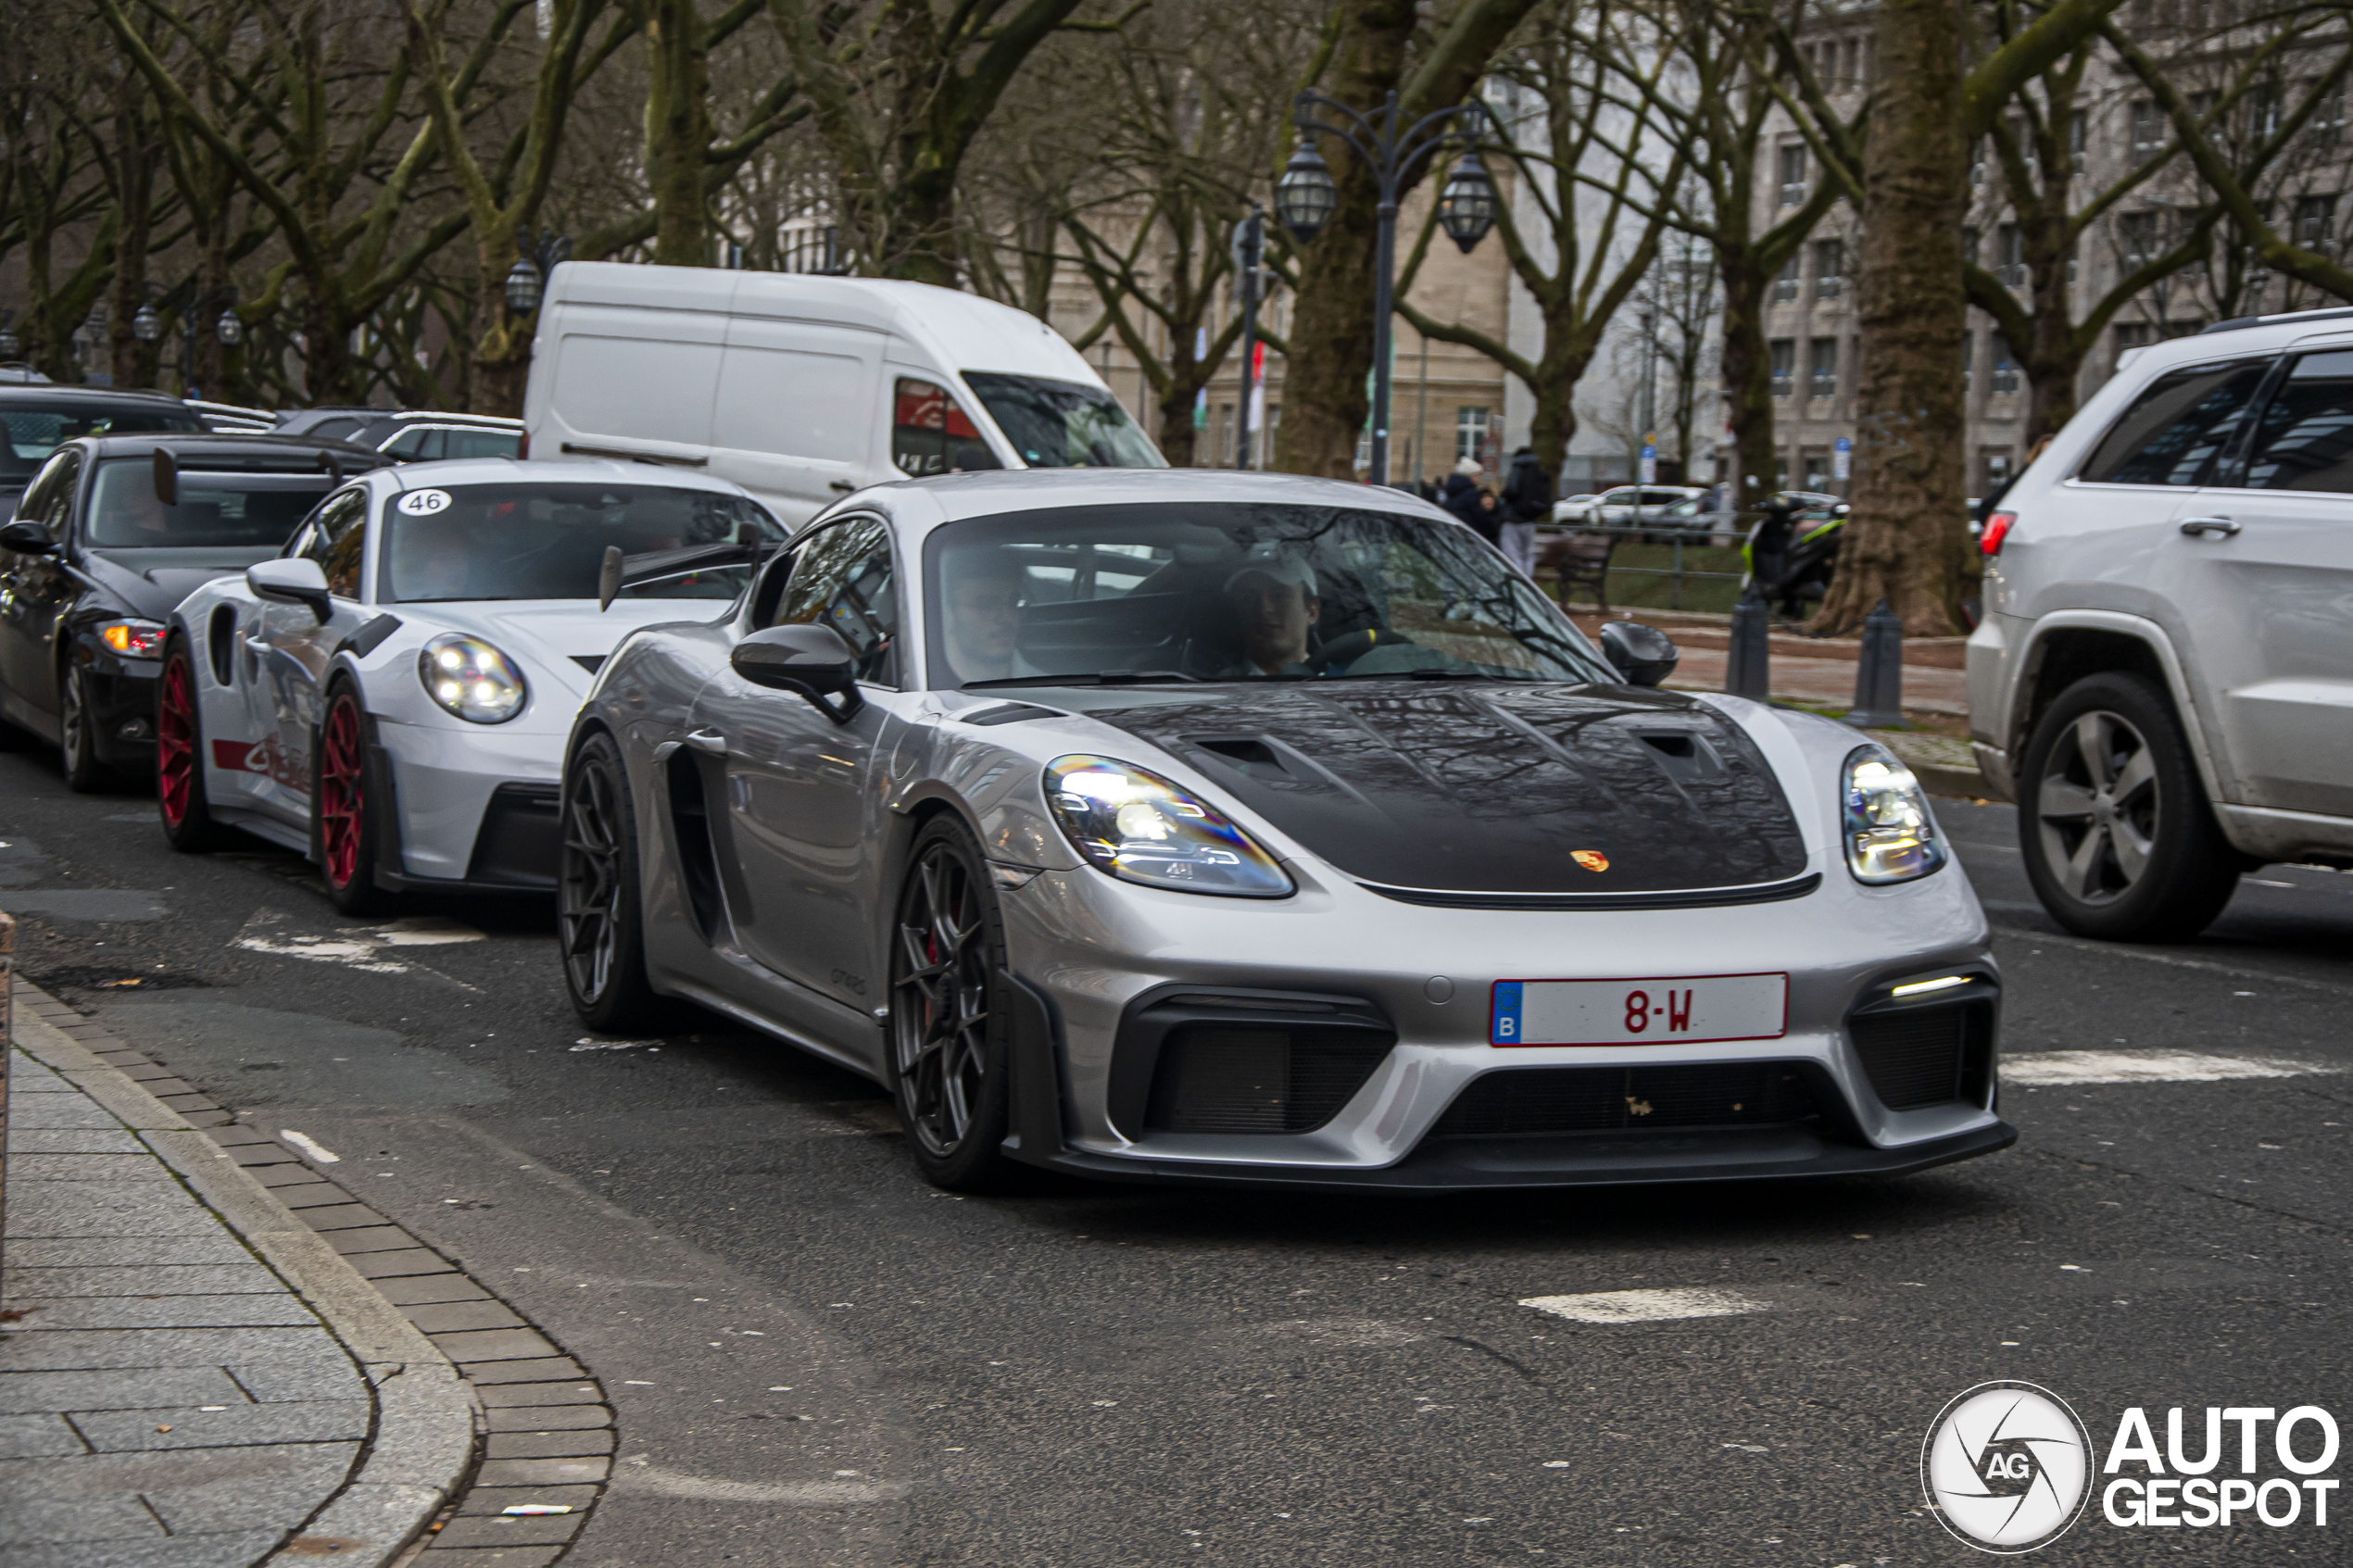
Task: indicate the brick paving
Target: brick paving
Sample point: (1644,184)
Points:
(546,1436)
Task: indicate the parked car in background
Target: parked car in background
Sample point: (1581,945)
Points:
(411,435)
(1628,505)
(38,416)
(391,694)
(803,388)
(2163,676)
(114,530)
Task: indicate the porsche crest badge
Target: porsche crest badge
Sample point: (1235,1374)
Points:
(1592,859)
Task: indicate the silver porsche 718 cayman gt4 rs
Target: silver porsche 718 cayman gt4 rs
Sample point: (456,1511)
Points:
(1253,830)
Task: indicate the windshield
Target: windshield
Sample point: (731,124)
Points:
(220,510)
(1060,424)
(532,541)
(1235,592)
(34,431)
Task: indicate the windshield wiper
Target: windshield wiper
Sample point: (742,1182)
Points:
(1100,678)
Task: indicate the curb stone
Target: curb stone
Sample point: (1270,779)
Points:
(400,1312)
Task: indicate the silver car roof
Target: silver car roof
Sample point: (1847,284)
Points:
(917,505)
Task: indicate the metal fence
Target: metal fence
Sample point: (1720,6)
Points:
(1658,533)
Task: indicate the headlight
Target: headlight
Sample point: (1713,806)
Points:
(471,679)
(140,639)
(1141,828)
(1884,819)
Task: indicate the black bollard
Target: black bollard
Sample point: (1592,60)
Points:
(1879,674)
(1747,667)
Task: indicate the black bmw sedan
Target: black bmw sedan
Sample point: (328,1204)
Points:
(110,534)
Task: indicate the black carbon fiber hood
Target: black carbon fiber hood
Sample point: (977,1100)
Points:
(1491,787)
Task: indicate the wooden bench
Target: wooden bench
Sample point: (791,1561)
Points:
(1578,560)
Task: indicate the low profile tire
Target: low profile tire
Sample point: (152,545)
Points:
(180,792)
(345,822)
(2119,838)
(600,909)
(78,736)
(950,1014)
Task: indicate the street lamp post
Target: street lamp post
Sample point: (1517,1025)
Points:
(527,279)
(1249,250)
(1305,197)
(230,330)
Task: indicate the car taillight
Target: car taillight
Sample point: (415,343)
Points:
(1997,528)
(522,447)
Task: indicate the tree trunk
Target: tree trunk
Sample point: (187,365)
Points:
(1746,372)
(1908,535)
(132,362)
(1324,404)
(677,134)
(499,367)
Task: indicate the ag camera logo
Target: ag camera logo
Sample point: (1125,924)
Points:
(2007,1467)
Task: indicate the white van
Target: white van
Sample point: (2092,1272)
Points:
(803,388)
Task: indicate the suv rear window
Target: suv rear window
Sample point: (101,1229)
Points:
(2175,428)
(2304,440)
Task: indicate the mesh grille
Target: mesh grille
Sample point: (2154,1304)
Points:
(1913,1058)
(1525,1101)
(1215,1079)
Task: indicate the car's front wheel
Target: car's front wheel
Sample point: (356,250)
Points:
(949,1016)
(180,789)
(597,908)
(345,820)
(78,734)
(2119,838)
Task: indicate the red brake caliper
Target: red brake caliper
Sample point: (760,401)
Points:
(340,799)
(171,736)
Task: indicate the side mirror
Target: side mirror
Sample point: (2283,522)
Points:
(1644,655)
(27,538)
(972,458)
(811,660)
(292,580)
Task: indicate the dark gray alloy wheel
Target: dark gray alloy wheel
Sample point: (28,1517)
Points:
(2116,832)
(77,743)
(949,1061)
(597,893)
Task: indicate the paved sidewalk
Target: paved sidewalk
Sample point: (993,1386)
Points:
(188,1376)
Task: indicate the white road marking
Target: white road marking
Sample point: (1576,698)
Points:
(310,1147)
(584,1044)
(634,1474)
(2148,1067)
(266,933)
(1645,1305)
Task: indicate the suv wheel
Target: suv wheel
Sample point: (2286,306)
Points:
(2119,838)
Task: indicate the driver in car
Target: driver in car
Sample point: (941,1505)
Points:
(434,555)
(1274,600)
(983,619)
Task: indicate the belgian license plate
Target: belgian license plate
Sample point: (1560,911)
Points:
(1687,1009)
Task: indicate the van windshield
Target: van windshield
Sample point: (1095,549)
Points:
(1060,424)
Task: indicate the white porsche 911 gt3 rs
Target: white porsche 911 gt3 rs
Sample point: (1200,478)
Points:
(391,694)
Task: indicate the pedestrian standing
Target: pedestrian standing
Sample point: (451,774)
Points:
(1460,493)
(1528,500)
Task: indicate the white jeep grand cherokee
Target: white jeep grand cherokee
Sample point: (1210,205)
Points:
(2163,678)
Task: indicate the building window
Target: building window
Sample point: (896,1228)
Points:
(1794,174)
(812,250)
(2135,334)
(1471,434)
(2263,110)
(1785,282)
(2148,130)
(2010,255)
(1849,66)
(2005,376)
(1829,264)
(2078,136)
(2328,119)
(1783,359)
(1815,462)
(1992,468)
(1968,359)
(1821,363)
(2137,237)
(2315,222)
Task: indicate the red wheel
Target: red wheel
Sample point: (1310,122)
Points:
(180,792)
(175,741)
(343,797)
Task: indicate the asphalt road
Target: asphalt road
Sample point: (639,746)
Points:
(818,1359)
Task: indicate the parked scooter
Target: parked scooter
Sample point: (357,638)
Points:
(1792,551)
